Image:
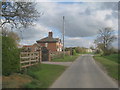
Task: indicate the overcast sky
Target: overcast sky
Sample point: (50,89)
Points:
(82,21)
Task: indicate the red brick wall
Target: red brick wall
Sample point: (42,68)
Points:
(51,46)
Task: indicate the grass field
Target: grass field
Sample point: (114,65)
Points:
(110,63)
(39,76)
(66,58)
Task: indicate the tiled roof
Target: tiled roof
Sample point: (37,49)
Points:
(27,46)
(48,39)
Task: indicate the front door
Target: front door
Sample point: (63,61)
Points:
(45,54)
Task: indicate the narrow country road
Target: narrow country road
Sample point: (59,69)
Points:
(84,73)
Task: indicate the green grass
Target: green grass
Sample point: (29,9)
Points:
(112,57)
(44,75)
(110,64)
(66,58)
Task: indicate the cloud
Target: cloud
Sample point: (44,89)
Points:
(78,41)
(81,19)
(33,33)
(77,0)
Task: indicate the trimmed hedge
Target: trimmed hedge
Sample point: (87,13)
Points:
(10,56)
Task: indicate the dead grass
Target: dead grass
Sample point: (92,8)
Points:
(15,81)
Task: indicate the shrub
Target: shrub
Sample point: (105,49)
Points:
(10,56)
(77,49)
(74,52)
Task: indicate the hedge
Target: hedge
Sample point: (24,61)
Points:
(10,56)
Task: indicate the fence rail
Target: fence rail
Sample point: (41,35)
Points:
(28,59)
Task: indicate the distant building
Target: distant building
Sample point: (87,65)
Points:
(89,50)
(31,48)
(52,44)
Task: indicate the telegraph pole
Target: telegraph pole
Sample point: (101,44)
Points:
(63,35)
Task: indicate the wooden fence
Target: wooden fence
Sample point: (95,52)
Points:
(29,58)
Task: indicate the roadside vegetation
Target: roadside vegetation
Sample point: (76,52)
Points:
(106,54)
(113,57)
(110,63)
(10,53)
(38,76)
(44,75)
(15,80)
(66,58)
(104,40)
(74,54)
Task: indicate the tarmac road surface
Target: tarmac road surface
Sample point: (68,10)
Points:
(84,73)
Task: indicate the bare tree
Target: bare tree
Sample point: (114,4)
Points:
(7,33)
(4,32)
(92,47)
(18,14)
(14,36)
(105,38)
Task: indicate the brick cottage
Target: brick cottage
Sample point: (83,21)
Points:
(52,44)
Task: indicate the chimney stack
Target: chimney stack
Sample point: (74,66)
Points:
(50,34)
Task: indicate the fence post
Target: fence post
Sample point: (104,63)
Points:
(49,57)
(20,61)
(41,55)
(30,58)
(37,59)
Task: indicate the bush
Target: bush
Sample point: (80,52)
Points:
(77,49)
(74,52)
(10,56)
(81,50)
(97,52)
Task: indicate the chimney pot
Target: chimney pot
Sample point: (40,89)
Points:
(50,34)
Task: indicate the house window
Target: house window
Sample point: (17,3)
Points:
(46,44)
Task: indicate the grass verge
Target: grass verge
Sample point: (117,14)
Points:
(38,76)
(44,75)
(66,58)
(110,64)
(112,57)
